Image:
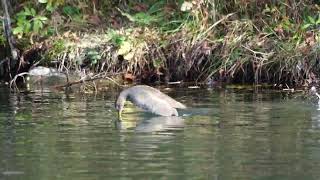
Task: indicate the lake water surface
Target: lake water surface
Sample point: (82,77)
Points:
(224,134)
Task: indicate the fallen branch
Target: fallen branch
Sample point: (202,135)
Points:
(14,80)
(96,77)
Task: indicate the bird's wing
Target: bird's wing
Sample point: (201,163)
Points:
(166,98)
(153,104)
(171,101)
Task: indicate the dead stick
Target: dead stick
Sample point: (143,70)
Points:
(86,80)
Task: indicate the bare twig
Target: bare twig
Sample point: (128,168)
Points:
(96,77)
(13,82)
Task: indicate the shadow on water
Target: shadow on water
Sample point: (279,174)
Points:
(224,134)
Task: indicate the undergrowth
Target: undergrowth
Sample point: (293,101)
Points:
(230,41)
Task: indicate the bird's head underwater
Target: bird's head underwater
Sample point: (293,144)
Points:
(119,104)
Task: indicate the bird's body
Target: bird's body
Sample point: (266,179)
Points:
(149,99)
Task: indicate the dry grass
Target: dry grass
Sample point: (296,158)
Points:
(229,41)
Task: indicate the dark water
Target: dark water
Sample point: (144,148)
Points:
(225,134)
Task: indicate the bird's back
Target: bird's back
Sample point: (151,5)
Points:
(153,100)
(157,93)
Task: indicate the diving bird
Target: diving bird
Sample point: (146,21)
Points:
(149,99)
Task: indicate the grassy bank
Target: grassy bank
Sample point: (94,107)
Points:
(262,41)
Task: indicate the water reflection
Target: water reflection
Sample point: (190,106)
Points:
(159,123)
(227,134)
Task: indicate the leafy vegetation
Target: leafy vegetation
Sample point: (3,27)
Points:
(233,41)
(28,21)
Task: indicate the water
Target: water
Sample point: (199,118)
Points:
(224,134)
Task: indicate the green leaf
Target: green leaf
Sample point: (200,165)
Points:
(50,7)
(27,27)
(26,12)
(306,26)
(318,20)
(18,30)
(116,38)
(311,20)
(50,31)
(21,14)
(119,40)
(37,25)
(33,12)
(22,22)
(42,18)
(94,56)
